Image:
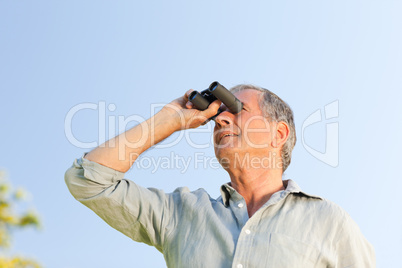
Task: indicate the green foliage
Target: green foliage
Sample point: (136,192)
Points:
(10,220)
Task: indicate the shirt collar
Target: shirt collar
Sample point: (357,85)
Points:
(290,186)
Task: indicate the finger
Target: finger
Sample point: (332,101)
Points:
(214,106)
(188,94)
(189,105)
(212,109)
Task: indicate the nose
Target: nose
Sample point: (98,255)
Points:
(224,118)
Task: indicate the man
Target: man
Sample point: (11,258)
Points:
(259,220)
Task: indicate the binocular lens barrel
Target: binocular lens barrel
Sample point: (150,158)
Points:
(221,93)
(215,91)
(198,100)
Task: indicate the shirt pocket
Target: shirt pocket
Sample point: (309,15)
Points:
(288,252)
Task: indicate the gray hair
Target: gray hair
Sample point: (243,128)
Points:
(275,109)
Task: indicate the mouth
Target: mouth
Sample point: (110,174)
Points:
(226,134)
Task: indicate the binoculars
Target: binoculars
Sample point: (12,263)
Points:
(216,91)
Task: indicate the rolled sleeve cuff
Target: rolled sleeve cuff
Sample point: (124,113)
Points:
(96,172)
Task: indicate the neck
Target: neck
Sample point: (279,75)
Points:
(256,185)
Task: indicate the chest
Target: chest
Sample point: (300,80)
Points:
(274,236)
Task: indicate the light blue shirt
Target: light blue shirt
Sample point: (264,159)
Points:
(192,229)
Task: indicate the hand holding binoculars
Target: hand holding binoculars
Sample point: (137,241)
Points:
(216,91)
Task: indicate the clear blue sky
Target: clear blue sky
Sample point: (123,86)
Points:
(55,55)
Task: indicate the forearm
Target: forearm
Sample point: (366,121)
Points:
(120,153)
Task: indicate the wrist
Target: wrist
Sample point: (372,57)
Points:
(169,118)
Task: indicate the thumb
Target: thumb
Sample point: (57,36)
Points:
(212,109)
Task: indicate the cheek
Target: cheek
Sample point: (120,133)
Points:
(257,140)
(257,135)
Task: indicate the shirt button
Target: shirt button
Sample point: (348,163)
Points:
(240,205)
(248,231)
(239,266)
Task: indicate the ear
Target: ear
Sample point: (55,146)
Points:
(281,134)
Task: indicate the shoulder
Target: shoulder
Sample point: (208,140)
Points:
(331,209)
(324,209)
(313,204)
(351,246)
(319,215)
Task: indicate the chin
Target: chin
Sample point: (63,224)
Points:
(226,152)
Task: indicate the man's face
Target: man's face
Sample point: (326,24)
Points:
(244,133)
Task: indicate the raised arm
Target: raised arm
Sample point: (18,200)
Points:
(120,153)
(97,181)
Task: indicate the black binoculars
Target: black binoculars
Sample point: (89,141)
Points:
(216,91)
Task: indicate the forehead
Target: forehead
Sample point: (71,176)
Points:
(249,97)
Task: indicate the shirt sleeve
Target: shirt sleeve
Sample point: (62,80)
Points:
(353,250)
(140,213)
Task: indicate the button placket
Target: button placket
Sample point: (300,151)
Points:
(248,230)
(240,211)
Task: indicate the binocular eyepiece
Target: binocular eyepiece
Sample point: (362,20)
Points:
(216,91)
